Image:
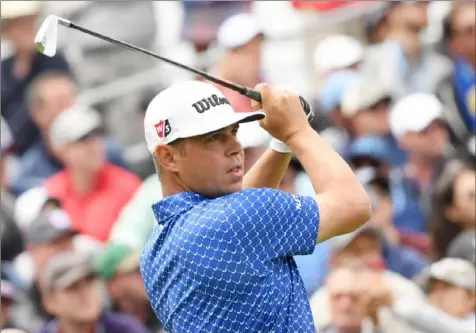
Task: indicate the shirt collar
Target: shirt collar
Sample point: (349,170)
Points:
(175,205)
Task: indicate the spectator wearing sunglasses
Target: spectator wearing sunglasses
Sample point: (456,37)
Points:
(90,190)
(454,204)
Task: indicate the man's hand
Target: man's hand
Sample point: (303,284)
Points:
(378,294)
(284,114)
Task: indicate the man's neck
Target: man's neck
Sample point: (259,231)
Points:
(71,327)
(421,169)
(409,41)
(83,182)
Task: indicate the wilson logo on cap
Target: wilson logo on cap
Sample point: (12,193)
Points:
(206,103)
(163,128)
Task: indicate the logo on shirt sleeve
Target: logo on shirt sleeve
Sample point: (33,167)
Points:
(163,128)
(297,201)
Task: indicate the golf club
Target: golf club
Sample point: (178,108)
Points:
(47,36)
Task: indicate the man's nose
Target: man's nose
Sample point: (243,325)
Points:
(233,146)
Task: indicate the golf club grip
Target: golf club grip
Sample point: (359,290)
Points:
(256,96)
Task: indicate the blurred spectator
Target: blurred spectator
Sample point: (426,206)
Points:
(371,247)
(90,190)
(11,240)
(330,102)
(203,19)
(450,286)
(118,265)
(354,307)
(458,92)
(48,95)
(71,293)
(453,204)
(366,107)
(401,62)
(463,246)
(19,27)
(417,125)
(370,157)
(337,52)
(241,37)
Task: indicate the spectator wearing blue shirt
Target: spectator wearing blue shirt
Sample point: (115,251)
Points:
(19,70)
(223,259)
(48,95)
(458,91)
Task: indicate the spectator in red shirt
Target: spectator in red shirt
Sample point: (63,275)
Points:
(90,190)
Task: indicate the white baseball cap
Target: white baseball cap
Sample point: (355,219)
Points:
(363,95)
(28,206)
(238,30)
(189,109)
(414,113)
(337,52)
(74,123)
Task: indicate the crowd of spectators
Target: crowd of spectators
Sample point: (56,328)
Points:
(75,214)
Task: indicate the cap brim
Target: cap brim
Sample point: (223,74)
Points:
(77,274)
(236,118)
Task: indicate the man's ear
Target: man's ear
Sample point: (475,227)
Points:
(167,157)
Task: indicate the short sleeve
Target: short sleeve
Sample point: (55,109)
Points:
(276,223)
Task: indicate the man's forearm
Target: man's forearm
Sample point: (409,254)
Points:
(268,170)
(343,203)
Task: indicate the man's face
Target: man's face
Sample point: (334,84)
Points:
(365,248)
(128,294)
(373,121)
(413,15)
(87,154)
(463,26)
(347,300)
(56,94)
(451,299)
(84,295)
(21,32)
(210,164)
(429,143)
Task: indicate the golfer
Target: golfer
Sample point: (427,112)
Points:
(222,259)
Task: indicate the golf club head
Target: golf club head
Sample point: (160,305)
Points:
(47,36)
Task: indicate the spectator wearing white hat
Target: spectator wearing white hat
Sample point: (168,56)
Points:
(241,38)
(416,123)
(19,20)
(366,107)
(337,52)
(91,190)
(401,61)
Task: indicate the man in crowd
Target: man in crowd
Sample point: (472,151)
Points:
(48,95)
(366,107)
(118,265)
(72,295)
(241,38)
(19,27)
(458,92)
(416,122)
(401,62)
(91,190)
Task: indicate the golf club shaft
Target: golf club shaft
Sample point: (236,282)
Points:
(250,93)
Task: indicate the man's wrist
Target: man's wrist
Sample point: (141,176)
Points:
(302,135)
(279,146)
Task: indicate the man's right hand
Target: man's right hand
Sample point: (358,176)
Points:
(285,116)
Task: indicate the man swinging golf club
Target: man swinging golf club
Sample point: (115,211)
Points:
(222,261)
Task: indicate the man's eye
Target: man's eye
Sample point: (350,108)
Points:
(235,132)
(214,137)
